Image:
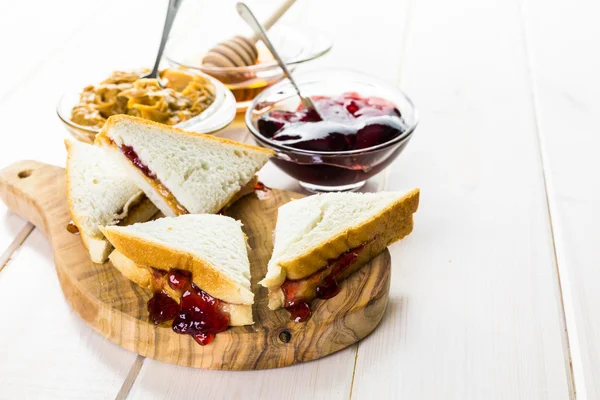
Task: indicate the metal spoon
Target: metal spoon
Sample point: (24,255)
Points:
(260,31)
(171,14)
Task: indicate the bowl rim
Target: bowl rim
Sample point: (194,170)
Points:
(285,82)
(221,91)
(271,65)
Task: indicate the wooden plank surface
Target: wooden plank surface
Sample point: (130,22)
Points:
(562,39)
(64,358)
(475,309)
(476,306)
(13,231)
(328,378)
(46,350)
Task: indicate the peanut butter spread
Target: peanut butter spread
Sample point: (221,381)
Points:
(184,96)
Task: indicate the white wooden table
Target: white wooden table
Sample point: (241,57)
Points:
(494,294)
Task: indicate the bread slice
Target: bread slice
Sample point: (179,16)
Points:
(99,193)
(181,172)
(239,314)
(312,231)
(211,247)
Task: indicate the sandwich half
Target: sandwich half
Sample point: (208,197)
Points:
(183,172)
(191,262)
(322,239)
(100,193)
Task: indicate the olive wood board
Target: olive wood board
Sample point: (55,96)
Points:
(116,307)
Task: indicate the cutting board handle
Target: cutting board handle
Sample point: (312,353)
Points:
(28,187)
(115,308)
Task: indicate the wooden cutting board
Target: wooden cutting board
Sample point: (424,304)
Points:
(116,308)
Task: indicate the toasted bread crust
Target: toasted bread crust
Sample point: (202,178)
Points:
(240,314)
(130,270)
(385,225)
(209,279)
(117,118)
(396,231)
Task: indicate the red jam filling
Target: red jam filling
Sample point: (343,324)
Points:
(130,153)
(72,228)
(262,191)
(322,284)
(347,122)
(198,314)
(260,186)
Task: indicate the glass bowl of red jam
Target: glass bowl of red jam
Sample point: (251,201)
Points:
(361,126)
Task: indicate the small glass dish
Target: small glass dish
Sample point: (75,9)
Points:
(323,171)
(217,116)
(297,45)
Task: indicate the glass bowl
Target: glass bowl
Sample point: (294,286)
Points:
(295,44)
(217,116)
(322,171)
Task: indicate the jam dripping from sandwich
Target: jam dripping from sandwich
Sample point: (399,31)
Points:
(261,190)
(197,314)
(166,194)
(72,228)
(259,186)
(322,284)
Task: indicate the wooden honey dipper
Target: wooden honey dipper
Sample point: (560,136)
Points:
(240,51)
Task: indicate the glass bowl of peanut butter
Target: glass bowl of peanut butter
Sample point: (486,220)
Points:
(185,99)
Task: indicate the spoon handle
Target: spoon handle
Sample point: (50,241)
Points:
(172,9)
(274,18)
(277,14)
(251,20)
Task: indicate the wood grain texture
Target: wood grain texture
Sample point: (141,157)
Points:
(328,378)
(115,307)
(562,39)
(357,30)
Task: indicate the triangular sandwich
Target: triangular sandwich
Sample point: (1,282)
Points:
(191,262)
(183,172)
(322,239)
